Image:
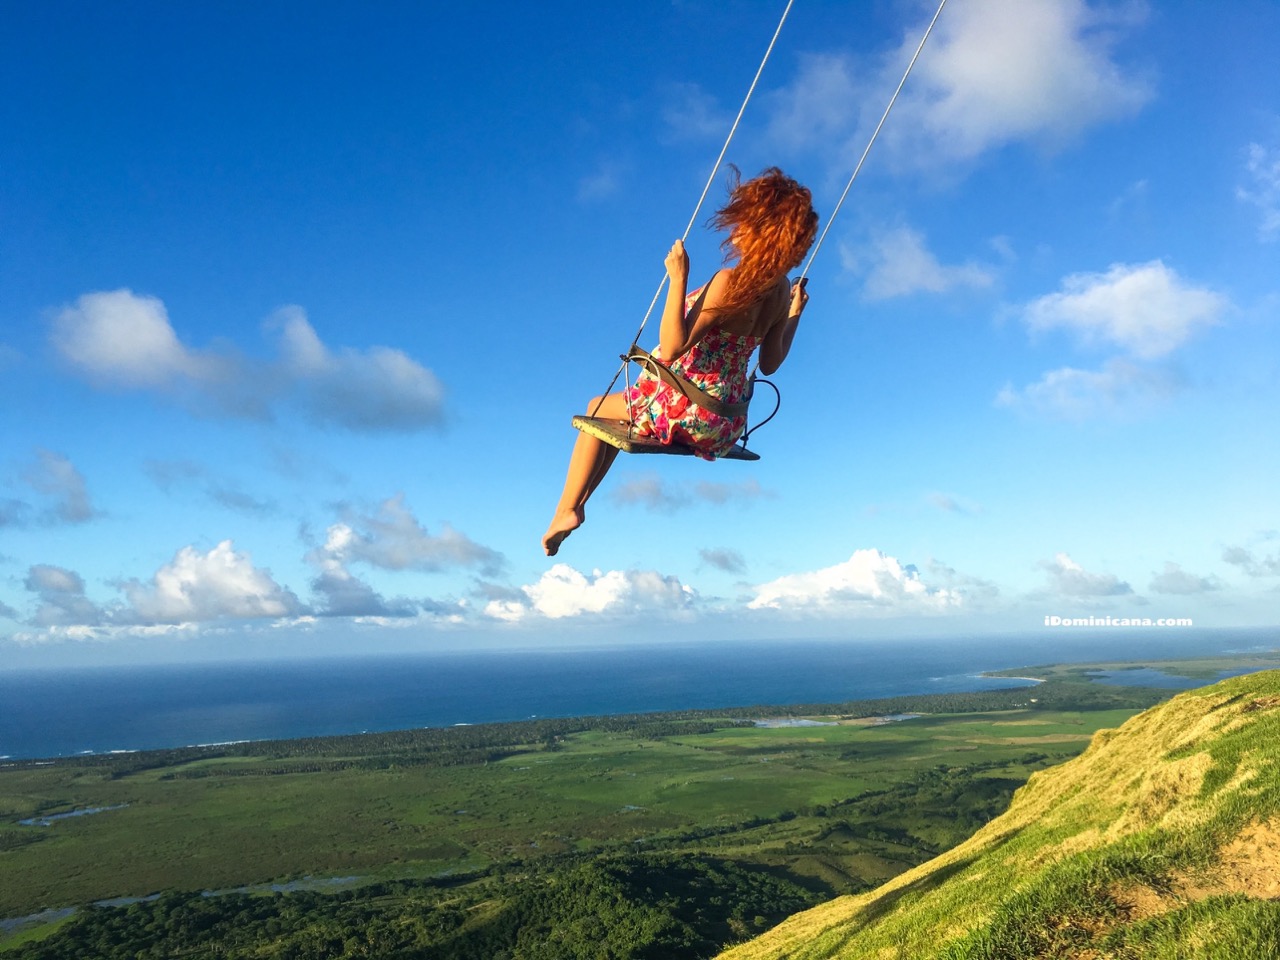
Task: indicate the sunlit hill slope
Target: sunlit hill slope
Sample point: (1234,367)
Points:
(1162,840)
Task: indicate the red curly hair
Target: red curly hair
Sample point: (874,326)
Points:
(772,224)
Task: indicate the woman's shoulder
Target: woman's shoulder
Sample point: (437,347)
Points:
(718,286)
(717,290)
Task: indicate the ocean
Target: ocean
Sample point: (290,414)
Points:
(49,713)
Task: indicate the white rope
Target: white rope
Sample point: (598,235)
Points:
(725,149)
(715,168)
(892,100)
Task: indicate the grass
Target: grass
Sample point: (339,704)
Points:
(1148,814)
(32,933)
(1217,928)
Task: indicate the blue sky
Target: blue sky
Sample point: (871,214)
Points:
(296,302)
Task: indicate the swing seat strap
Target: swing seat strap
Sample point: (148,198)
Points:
(691,390)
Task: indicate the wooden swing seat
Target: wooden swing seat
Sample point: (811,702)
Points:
(617,433)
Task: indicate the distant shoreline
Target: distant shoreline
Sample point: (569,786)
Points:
(53,717)
(1005,676)
(875,710)
(98,712)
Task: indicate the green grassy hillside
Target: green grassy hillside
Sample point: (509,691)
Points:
(1161,840)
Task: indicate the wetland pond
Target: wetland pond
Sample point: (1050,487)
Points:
(54,817)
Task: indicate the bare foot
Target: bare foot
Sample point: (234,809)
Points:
(562,524)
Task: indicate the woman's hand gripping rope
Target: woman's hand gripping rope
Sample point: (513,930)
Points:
(799,298)
(677,263)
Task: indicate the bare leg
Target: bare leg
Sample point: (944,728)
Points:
(588,465)
(610,454)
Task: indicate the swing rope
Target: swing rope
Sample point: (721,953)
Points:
(705,190)
(840,203)
(630,354)
(885,116)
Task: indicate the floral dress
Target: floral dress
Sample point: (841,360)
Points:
(717,364)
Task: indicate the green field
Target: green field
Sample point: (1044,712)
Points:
(221,821)
(484,829)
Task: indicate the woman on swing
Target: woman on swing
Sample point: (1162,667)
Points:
(708,337)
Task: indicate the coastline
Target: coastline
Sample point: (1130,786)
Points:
(171,708)
(869,709)
(1005,676)
(96,712)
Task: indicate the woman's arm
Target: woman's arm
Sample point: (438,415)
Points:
(674,330)
(777,342)
(680,331)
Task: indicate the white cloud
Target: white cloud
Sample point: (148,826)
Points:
(951,504)
(943,502)
(371,390)
(170,475)
(693,114)
(1173,579)
(1068,578)
(1002,71)
(869,582)
(1146,309)
(565,592)
(1003,247)
(901,265)
(654,493)
(391,538)
(44,578)
(55,476)
(1133,197)
(649,491)
(14,513)
(346,595)
(730,561)
(975,591)
(193,587)
(123,340)
(1072,394)
(602,183)
(1263,169)
(1254,566)
(233,498)
(196,587)
(718,493)
(62,597)
(509,611)
(818,107)
(994,72)
(100,633)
